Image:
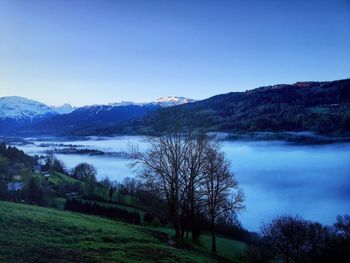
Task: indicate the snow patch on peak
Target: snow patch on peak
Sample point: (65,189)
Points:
(63,109)
(163,102)
(173,101)
(122,103)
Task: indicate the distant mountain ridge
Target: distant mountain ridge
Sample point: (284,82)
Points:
(168,101)
(20,108)
(36,117)
(321,107)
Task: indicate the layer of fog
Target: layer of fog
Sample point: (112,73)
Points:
(278,178)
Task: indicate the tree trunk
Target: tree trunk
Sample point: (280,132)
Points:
(177,229)
(194,226)
(183,227)
(213,237)
(177,224)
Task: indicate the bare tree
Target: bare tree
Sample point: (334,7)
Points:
(190,172)
(218,186)
(182,162)
(191,178)
(161,164)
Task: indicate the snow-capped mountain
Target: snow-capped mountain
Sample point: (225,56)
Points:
(19,108)
(163,102)
(172,101)
(63,109)
(23,109)
(18,114)
(124,103)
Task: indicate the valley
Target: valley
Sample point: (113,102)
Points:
(174,131)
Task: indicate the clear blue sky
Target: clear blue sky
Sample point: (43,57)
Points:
(85,52)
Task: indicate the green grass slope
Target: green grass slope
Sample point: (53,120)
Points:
(36,234)
(226,247)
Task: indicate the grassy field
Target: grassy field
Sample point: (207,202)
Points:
(59,178)
(35,234)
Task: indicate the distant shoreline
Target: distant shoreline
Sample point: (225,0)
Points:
(304,137)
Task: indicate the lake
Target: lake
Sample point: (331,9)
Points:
(277,177)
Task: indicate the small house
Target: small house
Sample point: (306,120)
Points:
(17,177)
(37,169)
(42,161)
(72,195)
(45,174)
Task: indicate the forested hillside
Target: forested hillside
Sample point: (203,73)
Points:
(322,107)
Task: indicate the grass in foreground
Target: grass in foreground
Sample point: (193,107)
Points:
(226,247)
(35,234)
